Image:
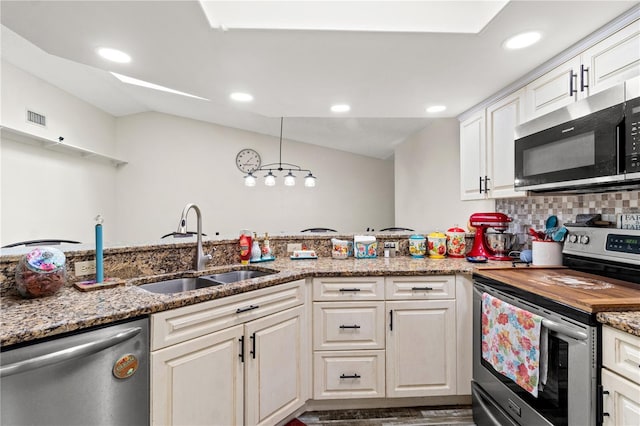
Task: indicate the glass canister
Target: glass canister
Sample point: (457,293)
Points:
(456,245)
(437,245)
(417,247)
(41,272)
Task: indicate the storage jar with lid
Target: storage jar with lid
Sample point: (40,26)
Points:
(417,247)
(437,245)
(41,272)
(456,245)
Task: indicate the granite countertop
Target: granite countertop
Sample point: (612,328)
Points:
(69,309)
(24,320)
(625,321)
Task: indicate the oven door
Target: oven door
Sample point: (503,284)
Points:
(584,151)
(569,395)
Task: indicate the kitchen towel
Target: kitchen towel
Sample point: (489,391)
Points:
(511,342)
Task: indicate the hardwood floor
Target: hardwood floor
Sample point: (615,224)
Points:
(458,415)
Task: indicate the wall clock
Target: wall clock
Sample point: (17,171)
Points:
(248,160)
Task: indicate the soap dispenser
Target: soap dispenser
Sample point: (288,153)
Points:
(256,253)
(266,247)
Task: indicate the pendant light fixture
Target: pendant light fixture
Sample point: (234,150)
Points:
(289,179)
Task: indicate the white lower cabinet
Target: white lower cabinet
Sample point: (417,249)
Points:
(200,381)
(620,377)
(421,348)
(253,373)
(399,342)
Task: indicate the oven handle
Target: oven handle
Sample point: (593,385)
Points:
(554,326)
(559,328)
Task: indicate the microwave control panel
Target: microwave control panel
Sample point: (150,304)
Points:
(632,136)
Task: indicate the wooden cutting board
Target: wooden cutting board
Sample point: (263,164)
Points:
(587,292)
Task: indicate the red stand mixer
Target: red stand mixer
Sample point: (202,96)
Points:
(481,221)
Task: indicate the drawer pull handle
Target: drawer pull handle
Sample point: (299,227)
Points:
(349,289)
(350,376)
(421,288)
(248,308)
(350,326)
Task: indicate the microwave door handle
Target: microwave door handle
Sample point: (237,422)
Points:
(561,329)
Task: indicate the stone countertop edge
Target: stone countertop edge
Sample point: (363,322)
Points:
(23,320)
(625,321)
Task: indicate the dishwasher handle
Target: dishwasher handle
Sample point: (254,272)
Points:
(67,354)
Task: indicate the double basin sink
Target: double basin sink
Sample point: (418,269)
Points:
(179,285)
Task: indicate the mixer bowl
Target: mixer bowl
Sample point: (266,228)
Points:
(500,243)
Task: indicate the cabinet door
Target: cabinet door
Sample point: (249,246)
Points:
(421,348)
(472,157)
(622,402)
(199,382)
(614,60)
(551,91)
(502,119)
(277,366)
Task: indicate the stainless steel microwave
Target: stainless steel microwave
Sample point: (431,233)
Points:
(590,145)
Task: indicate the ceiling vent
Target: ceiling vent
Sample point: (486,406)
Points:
(35,118)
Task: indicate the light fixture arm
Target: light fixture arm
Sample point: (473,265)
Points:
(279,167)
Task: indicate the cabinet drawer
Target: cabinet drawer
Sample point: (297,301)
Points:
(348,325)
(421,288)
(353,374)
(353,288)
(178,325)
(621,353)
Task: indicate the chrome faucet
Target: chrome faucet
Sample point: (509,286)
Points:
(201,258)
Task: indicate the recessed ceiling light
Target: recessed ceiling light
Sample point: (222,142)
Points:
(340,108)
(142,83)
(241,97)
(114,55)
(436,108)
(522,40)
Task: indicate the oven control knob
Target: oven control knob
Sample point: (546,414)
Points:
(573,238)
(584,239)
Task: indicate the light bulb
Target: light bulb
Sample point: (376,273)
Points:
(289,179)
(250,180)
(270,179)
(309,180)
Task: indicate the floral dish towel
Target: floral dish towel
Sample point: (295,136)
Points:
(511,342)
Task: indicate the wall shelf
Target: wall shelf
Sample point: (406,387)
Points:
(58,146)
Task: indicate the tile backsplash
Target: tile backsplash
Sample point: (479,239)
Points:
(534,209)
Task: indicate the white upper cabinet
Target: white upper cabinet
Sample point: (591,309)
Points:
(607,63)
(487,154)
(556,89)
(473,141)
(502,119)
(614,60)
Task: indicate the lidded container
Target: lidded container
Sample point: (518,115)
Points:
(456,245)
(417,246)
(437,245)
(41,272)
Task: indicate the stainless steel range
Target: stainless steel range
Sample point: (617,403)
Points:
(602,274)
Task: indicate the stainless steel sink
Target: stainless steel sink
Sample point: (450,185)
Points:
(233,276)
(178,285)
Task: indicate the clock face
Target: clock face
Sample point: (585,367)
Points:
(248,160)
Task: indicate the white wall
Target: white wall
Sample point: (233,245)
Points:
(45,194)
(427,180)
(174,161)
(80,123)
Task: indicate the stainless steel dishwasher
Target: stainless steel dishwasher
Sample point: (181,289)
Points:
(94,377)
